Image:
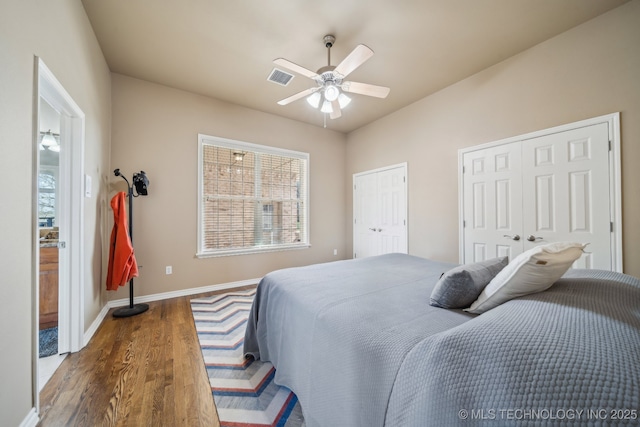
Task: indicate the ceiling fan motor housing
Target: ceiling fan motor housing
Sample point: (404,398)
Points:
(326,74)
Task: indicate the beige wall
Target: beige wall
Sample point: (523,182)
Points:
(591,70)
(59,33)
(155,129)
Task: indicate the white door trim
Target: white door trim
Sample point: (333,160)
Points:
(615,178)
(71,295)
(384,168)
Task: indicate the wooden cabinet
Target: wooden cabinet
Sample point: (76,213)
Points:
(48,287)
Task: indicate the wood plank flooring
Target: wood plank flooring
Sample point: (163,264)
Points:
(145,370)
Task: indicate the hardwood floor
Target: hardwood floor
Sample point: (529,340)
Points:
(145,370)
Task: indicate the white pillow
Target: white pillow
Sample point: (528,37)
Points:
(532,271)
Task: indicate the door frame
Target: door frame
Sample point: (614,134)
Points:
(71,293)
(355,176)
(615,177)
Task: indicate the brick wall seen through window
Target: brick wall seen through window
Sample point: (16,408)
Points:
(252,198)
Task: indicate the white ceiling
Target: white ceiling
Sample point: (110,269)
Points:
(225,49)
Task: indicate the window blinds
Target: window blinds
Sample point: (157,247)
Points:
(252,197)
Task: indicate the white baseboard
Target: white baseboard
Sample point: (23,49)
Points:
(31,420)
(88,334)
(181,293)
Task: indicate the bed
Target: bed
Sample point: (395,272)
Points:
(359,344)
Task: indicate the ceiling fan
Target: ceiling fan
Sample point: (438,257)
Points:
(330,81)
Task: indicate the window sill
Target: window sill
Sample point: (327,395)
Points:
(257,250)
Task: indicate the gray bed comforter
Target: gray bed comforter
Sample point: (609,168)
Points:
(359,344)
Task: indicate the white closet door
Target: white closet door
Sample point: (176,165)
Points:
(392,211)
(365,212)
(380,212)
(492,203)
(566,192)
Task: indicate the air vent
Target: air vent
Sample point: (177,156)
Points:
(280,77)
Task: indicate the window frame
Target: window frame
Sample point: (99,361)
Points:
(208,140)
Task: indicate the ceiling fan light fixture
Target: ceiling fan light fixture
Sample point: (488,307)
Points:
(331,83)
(314,99)
(343,100)
(331,93)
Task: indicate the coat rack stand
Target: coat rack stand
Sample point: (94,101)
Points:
(132,309)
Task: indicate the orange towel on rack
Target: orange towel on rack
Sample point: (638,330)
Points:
(122,261)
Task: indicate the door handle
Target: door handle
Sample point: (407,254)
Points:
(372,229)
(379,230)
(514,237)
(533,238)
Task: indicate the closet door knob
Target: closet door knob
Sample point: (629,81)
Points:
(514,237)
(533,238)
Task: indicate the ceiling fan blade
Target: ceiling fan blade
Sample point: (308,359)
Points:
(295,68)
(337,112)
(356,58)
(365,89)
(298,95)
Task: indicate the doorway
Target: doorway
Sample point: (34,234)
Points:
(48,234)
(58,221)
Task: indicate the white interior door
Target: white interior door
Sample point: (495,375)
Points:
(492,203)
(380,212)
(365,213)
(566,192)
(392,208)
(560,184)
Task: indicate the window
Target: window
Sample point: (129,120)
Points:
(267,216)
(252,198)
(46,197)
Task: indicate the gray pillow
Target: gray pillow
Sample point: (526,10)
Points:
(460,286)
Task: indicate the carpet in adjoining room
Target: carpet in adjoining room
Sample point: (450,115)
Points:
(49,342)
(243,389)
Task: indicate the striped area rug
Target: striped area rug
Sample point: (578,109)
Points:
(243,389)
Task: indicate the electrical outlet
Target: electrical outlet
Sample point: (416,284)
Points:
(335,252)
(168,269)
